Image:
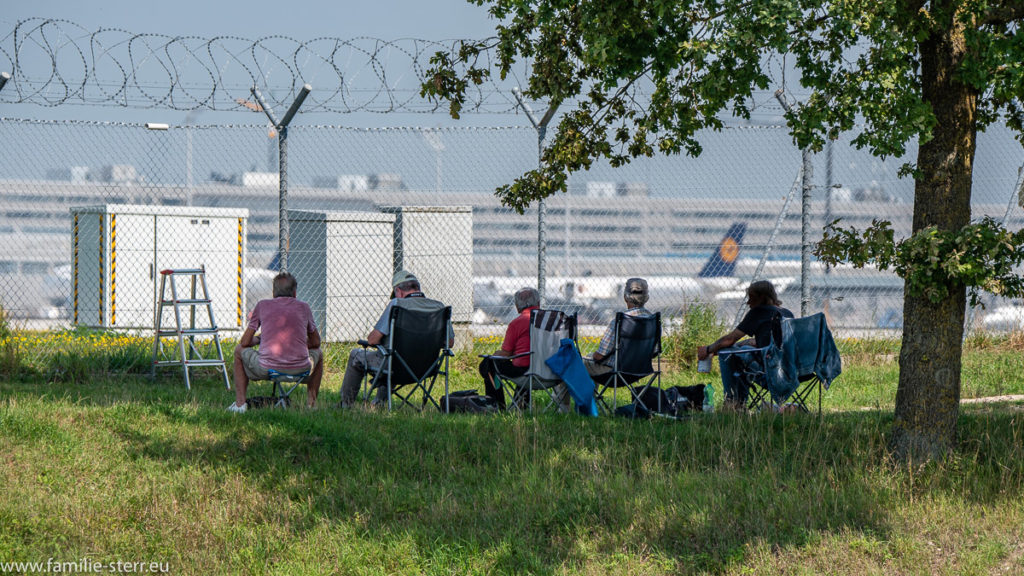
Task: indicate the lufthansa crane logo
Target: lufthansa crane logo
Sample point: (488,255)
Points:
(729,250)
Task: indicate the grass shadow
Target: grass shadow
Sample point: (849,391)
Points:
(519,494)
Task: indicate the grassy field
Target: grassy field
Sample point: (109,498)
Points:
(101,463)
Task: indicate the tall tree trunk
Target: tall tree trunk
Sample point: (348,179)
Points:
(928,397)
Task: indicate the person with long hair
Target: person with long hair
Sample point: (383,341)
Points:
(761,326)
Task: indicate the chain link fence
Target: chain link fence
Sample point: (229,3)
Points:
(93,211)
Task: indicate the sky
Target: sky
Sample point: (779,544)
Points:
(389,19)
(303,21)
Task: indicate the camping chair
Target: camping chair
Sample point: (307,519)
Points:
(547,328)
(415,353)
(806,360)
(637,360)
(284,385)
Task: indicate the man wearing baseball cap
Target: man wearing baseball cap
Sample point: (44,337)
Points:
(603,360)
(406,293)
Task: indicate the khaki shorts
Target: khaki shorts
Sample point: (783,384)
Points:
(253,369)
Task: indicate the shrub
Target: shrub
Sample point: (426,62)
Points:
(698,325)
(10,347)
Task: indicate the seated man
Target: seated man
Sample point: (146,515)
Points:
(762,322)
(406,294)
(289,342)
(603,360)
(517,341)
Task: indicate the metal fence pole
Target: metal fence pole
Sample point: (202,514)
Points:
(284,231)
(805,219)
(284,234)
(829,185)
(542,127)
(779,220)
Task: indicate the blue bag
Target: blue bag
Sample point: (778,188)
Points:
(567,364)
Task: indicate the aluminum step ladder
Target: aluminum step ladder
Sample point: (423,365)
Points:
(198,297)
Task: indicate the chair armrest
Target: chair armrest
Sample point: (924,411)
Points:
(378,347)
(743,350)
(496,357)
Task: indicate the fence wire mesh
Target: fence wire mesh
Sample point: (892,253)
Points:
(93,211)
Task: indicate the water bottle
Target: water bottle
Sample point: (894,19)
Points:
(709,398)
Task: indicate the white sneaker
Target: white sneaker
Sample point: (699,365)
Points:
(236,408)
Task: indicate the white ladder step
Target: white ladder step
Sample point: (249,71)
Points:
(187,301)
(187,332)
(196,362)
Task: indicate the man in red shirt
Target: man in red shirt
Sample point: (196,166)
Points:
(289,343)
(517,341)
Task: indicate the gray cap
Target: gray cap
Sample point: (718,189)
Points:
(401,277)
(635,286)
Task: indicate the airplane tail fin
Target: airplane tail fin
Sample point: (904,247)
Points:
(723,260)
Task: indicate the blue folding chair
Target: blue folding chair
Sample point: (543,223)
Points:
(284,385)
(805,361)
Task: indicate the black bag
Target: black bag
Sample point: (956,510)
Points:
(673,402)
(687,398)
(258,402)
(634,411)
(468,402)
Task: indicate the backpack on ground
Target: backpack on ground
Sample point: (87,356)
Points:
(468,402)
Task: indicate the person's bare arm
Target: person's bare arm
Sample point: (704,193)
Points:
(313,340)
(723,342)
(598,357)
(248,340)
(375,337)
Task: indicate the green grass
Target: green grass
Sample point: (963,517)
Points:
(116,467)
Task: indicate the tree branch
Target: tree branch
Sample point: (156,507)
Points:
(1004,13)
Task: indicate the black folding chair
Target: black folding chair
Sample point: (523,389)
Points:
(547,328)
(637,361)
(415,354)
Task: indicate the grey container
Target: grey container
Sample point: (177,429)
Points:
(343,264)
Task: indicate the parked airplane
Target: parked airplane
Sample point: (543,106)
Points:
(1005,318)
(596,298)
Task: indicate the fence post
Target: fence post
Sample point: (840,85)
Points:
(284,235)
(807,174)
(542,127)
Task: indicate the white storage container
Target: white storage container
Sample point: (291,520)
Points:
(436,244)
(342,262)
(119,249)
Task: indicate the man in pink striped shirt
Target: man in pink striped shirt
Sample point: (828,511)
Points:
(289,343)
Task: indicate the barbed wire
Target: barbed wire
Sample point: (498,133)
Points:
(56,62)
